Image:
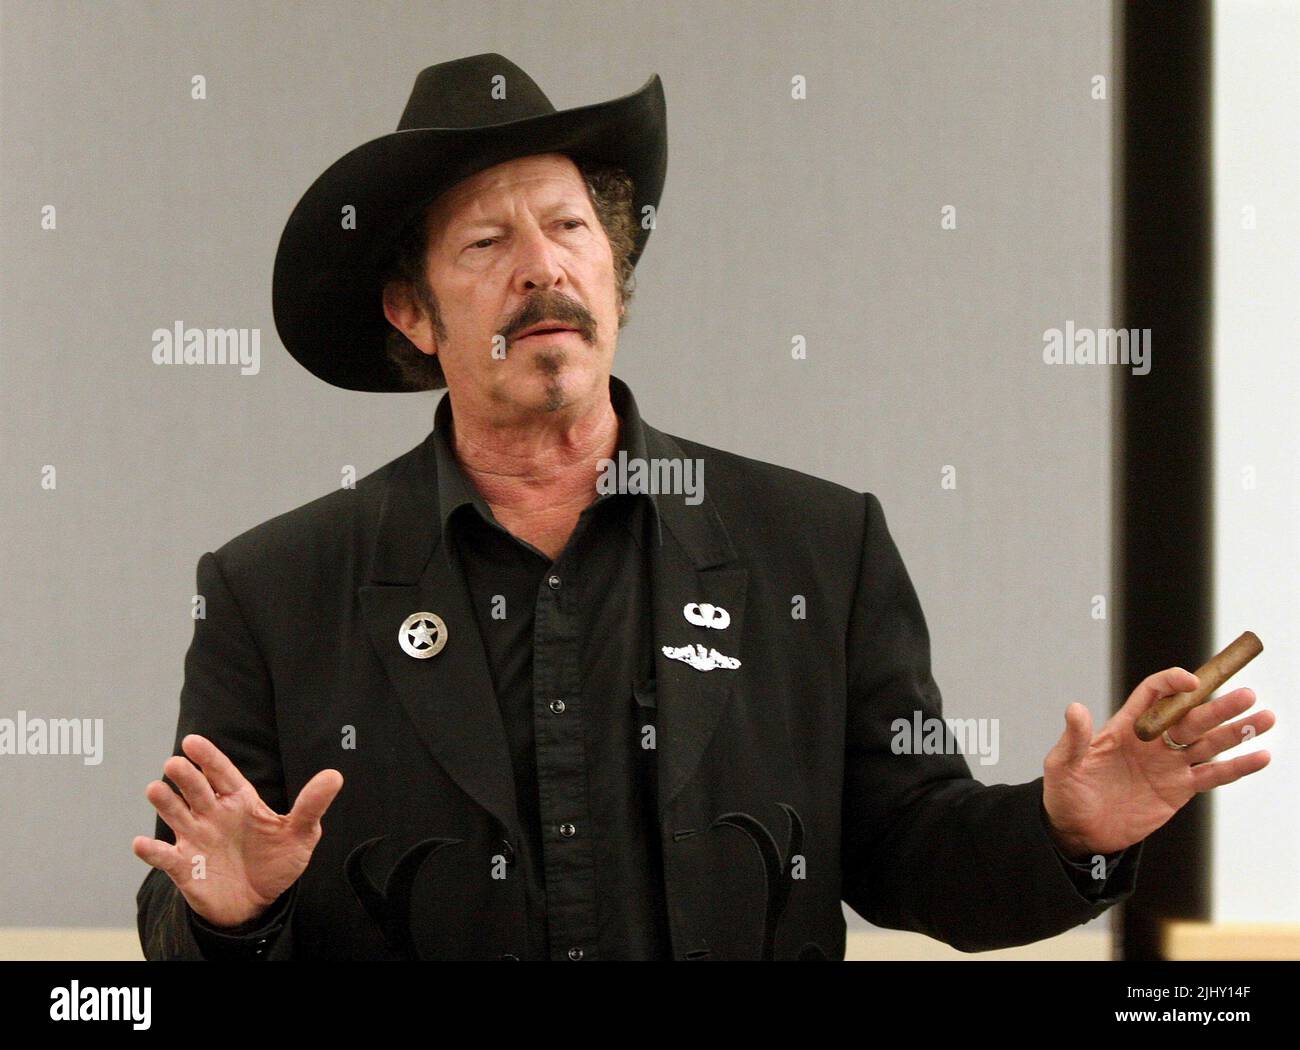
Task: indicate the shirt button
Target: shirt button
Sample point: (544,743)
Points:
(557,706)
(553,582)
(575,954)
(568,830)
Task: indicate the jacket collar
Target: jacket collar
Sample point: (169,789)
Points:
(450,697)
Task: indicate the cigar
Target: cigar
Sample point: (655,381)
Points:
(1211,674)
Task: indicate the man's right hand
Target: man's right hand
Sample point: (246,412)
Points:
(234,855)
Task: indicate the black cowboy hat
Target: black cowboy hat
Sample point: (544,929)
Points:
(462,117)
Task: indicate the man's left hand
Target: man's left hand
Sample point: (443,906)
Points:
(1104,793)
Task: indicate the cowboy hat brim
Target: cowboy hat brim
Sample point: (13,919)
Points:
(326,291)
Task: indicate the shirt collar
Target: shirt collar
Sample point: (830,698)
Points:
(455,489)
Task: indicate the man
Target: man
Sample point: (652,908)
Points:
(496,702)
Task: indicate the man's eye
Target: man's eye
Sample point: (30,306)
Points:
(484,242)
(572,223)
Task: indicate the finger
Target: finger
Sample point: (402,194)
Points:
(1225,738)
(222,774)
(1200,720)
(1215,774)
(1077,737)
(192,783)
(1163,683)
(170,806)
(315,798)
(156,853)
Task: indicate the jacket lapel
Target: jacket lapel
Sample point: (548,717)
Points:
(449,697)
(695,562)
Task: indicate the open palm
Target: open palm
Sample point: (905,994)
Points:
(233,855)
(1104,793)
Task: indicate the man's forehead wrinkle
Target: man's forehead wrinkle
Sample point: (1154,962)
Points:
(490,205)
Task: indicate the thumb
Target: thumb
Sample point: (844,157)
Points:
(1077,736)
(315,798)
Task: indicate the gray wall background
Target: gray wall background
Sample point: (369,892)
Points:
(818,217)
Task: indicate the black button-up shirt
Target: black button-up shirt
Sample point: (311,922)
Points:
(572,659)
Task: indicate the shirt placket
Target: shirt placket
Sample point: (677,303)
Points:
(565,810)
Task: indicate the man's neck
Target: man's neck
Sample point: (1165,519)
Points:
(540,475)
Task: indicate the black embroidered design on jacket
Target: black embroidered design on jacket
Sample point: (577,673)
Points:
(778,872)
(390,908)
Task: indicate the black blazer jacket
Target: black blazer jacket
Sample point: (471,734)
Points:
(779,793)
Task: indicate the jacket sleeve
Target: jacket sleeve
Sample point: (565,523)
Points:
(227,696)
(926,847)
(1113,878)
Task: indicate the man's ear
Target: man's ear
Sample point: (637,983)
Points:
(398,307)
(406,315)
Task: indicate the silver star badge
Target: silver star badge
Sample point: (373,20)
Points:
(423,635)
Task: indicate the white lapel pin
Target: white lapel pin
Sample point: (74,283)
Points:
(423,635)
(700,658)
(706,615)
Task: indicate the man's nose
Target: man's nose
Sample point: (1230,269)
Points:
(538,265)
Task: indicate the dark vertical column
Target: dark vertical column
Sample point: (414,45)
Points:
(1163,481)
